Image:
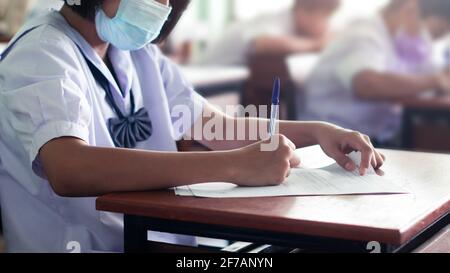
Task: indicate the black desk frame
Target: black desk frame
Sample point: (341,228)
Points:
(136,228)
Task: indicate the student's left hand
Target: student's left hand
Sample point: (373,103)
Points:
(337,143)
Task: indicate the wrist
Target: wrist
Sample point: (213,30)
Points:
(321,129)
(231,165)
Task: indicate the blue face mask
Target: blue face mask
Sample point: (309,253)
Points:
(136,24)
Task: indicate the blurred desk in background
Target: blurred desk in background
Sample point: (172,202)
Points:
(426,124)
(264,68)
(223,87)
(212,81)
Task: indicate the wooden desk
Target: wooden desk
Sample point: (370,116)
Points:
(211,81)
(426,124)
(400,223)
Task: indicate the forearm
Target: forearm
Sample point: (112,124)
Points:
(234,133)
(93,171)
(241,132)
(304,134)
(384,86)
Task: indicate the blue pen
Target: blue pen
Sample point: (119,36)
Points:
(275,108)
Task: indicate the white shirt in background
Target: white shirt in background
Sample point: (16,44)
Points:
(365,45)
(232,48)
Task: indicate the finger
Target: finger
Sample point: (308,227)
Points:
(380,160)
(380,172)
(366,159)
(374,161)
(362,146)
(294,161)
(288,173)
(291,144)
(383,156)
(342,160)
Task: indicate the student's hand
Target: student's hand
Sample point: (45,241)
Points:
(337,143)
(253,166)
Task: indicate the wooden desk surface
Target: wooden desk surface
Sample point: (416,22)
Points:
(390,219)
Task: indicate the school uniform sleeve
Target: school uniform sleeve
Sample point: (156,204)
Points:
(363,53)
(182,97)
(43,94)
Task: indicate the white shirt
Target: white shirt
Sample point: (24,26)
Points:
(234,45)
(47,91)
(365,45)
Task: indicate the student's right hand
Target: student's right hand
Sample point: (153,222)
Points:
(252,166)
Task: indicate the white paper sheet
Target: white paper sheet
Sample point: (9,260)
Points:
(310,181)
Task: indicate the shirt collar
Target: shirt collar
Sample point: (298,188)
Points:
(121,60)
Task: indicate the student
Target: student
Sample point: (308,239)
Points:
(376,63)
(12,15)
(89,107)
(302,29)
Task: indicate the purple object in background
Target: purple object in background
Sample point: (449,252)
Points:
(413,50)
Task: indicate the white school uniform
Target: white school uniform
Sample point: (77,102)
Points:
(234,46)
(365,45)
(47,91)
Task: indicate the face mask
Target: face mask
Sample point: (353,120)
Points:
(413,50)
(137,23)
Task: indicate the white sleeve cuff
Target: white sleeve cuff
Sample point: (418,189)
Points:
(55,130)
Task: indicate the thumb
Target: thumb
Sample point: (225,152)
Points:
(295,161)
(343,160)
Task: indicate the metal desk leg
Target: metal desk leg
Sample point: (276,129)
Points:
(135,235)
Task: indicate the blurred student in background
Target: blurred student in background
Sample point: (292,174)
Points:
(42,6)
(302,29)
(376,63)
(12,15)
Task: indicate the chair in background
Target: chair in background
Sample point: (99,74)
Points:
(264,68)
(293,70)
(426,124)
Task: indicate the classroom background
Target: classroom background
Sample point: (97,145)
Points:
(231,77)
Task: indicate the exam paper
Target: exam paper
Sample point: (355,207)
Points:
(311,181)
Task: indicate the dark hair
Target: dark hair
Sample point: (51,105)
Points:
(439,8)
(87,8)
(178,8)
